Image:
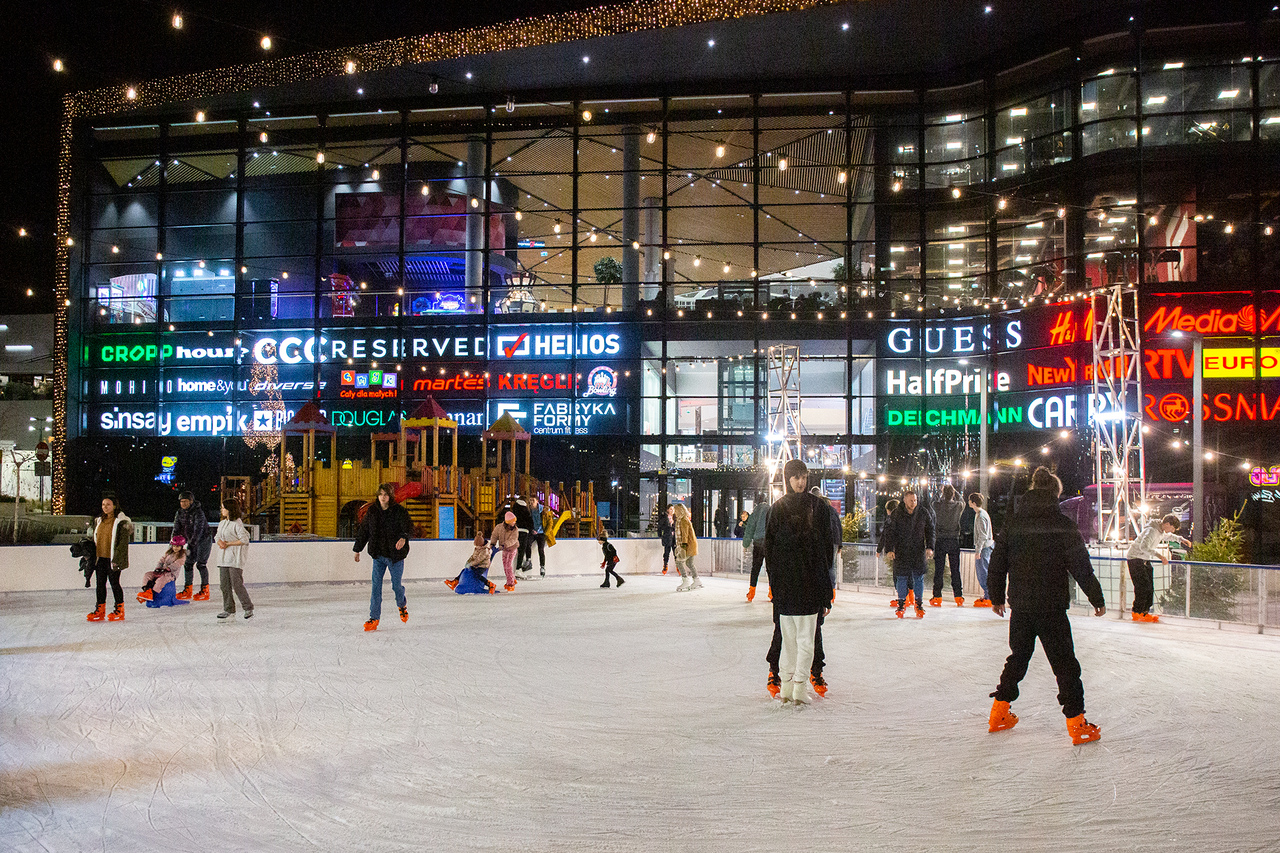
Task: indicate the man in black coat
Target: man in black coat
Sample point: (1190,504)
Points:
(798,547)
(190,522)
(386,529)
(1037,552)
(908,542)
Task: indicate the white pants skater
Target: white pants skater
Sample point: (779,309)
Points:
(796,658)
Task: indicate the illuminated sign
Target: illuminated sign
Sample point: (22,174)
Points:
(1215,321)
(939,380)
(1241,362)
(1260,476)
(542,342)
(150,353)
(953,339)
(1225,407)
(1017,412)
(562,417)
(456,382)
(189,419)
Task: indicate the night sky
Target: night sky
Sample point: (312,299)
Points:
(114,42)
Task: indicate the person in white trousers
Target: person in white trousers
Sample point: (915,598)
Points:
(798,547)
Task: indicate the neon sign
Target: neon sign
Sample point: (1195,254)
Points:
(1215,321)
(1260,476)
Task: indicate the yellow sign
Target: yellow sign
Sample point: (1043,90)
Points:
(1239,362)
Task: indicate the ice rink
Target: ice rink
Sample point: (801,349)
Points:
(565,717)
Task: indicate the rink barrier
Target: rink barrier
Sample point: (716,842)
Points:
(1229,596)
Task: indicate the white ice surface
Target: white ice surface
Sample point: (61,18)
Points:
(569,718)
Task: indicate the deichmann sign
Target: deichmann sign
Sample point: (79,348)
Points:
(1018,412)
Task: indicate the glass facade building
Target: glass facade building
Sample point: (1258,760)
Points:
(615,270)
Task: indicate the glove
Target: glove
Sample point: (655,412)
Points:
(751,593)
(602,562)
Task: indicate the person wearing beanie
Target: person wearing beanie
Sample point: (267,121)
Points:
(165,571)
(610,560)
(908,542)
(798,549)
(946,513)
(1037,552)
(506,536)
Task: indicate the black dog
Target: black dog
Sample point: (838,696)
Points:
(87,550)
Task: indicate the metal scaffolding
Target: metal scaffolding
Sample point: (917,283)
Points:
(784,410)
(1115,411)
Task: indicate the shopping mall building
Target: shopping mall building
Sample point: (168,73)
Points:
(605,223)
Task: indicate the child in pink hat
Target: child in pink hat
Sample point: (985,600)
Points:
(507,537)
(165,570)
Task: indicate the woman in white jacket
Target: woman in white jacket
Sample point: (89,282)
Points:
(232,540)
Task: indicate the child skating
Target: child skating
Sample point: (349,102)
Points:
(166,569)
(506,536)
(473,577)
(610,560)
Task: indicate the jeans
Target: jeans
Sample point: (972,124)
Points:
(103,572)
(380,566)
(944,550)
(915,582)
(981,562)
(1054,631)
(797,647)
(1142,573)
(231,579)
(198,558)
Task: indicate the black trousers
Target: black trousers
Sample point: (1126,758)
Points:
(103,572)
(198,558)
(1142,574)
(775,647)
(523,552)
(540,539)
(757,560)
(610,570)
(943,550)
(667,545)
(1054,632)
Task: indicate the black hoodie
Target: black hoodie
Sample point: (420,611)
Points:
(382,529)
(1037,550)
(797,554)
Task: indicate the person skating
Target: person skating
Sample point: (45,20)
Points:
(524,523)
(542,518)
(232,540)
(667,533)
(946,513)
(983,543)
(386,530)
(111,534)
(166,570)
(610,560)
(741,526)
(506,536)
(721,521)
(686,549)
(889,506)
(798,559)
(1036,553)
(753,540)
(1139,557)
(908,543)
(477,567)
(191,523)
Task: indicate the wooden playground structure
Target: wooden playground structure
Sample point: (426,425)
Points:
(444,500)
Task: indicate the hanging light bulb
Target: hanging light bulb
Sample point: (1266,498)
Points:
(374,175)
(726,269)
(265,43)
(1002,203)
(319,156)
(200,116)
(586,115)
(697,260)
(511,104)
(350,67)
(844,176)
(519,216)
(58,66)
(1151,220)
(424,189)
(593,236)
(955,191)
(897,185)
(666,256)
(1062,212)
(556,227)
(720,150)
(262,137)
(435,85)
(635,244)
(177,20)
(131,93)
(782,164)
(651,137)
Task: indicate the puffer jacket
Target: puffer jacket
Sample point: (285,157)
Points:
(121,534)
(506,537)
(1036,552)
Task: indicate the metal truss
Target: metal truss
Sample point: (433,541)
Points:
(1115,412)
(783,409)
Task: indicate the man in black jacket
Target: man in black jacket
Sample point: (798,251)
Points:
(908,542)
(798,547)
(190,523)
(386,530)
(1036,552)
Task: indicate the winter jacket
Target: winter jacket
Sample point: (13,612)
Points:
(536,521)
(666,530)
(524,518)
(1036,552)
(946,515)
(232,531)
(479,558)
(797,554)
(121,533)
(755,526)
(738,529)
(191,523)
(170,561)
(907,536)
(685,538)
(382,529)
(610,553)
(506,537)
(1151,537)
(982,538)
